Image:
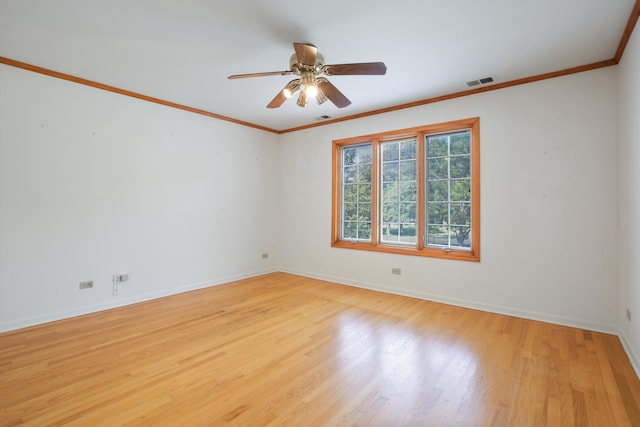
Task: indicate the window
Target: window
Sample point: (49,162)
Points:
(413,191)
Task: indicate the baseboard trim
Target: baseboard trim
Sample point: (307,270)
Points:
(93,308)
(491,308)
(633,357)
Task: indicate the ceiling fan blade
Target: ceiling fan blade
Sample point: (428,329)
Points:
(278,100)
(269,73)
(306,53)
(332,93)
(362,68)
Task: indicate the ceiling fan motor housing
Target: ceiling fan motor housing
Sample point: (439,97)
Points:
(297,67)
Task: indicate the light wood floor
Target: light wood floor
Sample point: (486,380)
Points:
(286,350)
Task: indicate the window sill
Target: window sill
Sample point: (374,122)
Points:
(430,252)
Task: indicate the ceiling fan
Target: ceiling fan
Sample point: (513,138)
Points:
(309,65)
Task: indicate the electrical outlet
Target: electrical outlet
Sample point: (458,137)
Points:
(396,271)
(116,285)
(86,285)
(265,255)
(628,314)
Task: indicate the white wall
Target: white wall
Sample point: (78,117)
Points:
(93,183)
(548,205)
(629,179)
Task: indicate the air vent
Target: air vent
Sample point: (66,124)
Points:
(482,81)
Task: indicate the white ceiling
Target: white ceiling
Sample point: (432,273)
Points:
(183,50)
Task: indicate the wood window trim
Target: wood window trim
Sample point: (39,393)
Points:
(419,249)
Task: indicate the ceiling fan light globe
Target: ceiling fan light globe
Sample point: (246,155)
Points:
(311,91)
(291,88)
(302,99)
(322,98)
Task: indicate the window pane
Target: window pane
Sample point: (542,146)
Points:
(438,213)
(364,173)
(408,191)
(438,168)
(349,156)
(438,191)
(460,167)
(364,230)
(461,143)
(390,212)
(390,192)
(350,211)
(364,154)
(390,151)
(390,232)
(408,149)
(407,233)
(364,212)
(398,233)
(437,235)
(437,146)
(408,170)
(364,192)
(390,171)
(349,230)
(461,190)
(407,212)
(350,193)
(349,174)
(460,214)
(460,236)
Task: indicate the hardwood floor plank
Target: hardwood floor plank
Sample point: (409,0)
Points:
(282,349)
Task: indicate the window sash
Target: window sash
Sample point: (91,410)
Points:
(398,207)
(356,199)
(444,228)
